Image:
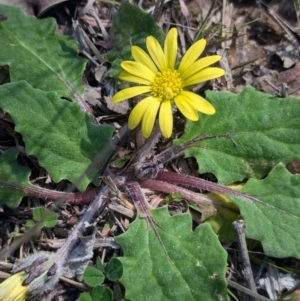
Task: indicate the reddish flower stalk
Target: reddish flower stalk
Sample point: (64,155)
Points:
(171,188)
(47,194)
(190,181)
(140,202)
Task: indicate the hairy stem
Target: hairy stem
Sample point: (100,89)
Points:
(190,181)
(47,194)
(139,200)
(194,197)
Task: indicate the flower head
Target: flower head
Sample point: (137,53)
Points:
(12,289)
(165,84)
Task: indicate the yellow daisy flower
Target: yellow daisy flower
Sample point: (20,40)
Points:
(12,289)
(165,84)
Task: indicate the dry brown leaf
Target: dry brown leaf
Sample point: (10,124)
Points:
(120,107)
(292,78)
(92,95)
(32,7)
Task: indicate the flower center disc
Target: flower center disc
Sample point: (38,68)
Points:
(166,85)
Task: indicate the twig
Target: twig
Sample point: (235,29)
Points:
(292,35)
(158,9)
(239,227)
(261,268)
(225,65)
(117,221)
(246,290)
(76,284)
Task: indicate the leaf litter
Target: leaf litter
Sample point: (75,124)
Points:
(243,40)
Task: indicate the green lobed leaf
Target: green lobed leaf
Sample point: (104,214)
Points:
(93,277)
(275,220)
(248,135)
(131,26)
(193,267)
(35,53)
(15,175)
(57,132)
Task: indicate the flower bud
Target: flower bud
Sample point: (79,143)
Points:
(41,272)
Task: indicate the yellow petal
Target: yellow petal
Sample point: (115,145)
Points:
(186,108)
(199,65)
(203,75)
(12,289)
(133,79)
(142,57)
(156,53)
(192,55)
(197,102)
(138,111)
(138,69)
(149,117)
(170,48)
(14,297)
(166,119)
(130,92)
